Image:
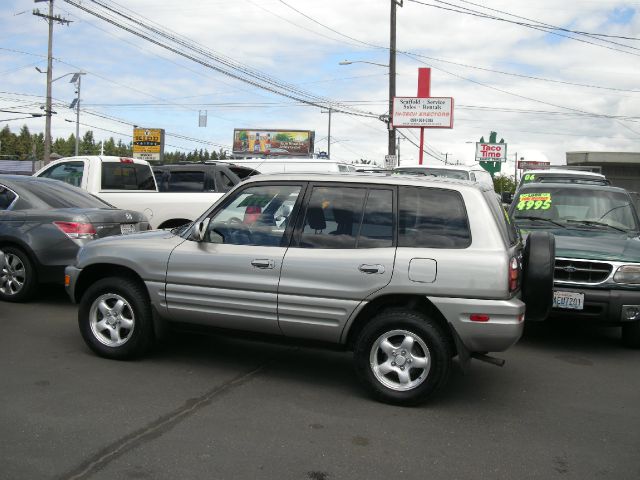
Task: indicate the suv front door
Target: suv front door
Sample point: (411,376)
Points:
(230,279)
(343,251)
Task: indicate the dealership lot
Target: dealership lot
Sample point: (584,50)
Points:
(564,406)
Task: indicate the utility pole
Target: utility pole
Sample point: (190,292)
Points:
(446,157)
(515,170)
(50,17)
(329,110)
(392,74)
(398,149)
(329,136)
(77,77)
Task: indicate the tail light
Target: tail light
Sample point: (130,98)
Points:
(514,274)
(126,160)
(76,230)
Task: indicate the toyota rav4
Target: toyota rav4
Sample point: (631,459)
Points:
(407,272)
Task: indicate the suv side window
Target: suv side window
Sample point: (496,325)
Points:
(127,176)
(186,181)
(7,197)
(432,218)
(377,224)
(351,217)
(255,216)
(332,218)
(68,172)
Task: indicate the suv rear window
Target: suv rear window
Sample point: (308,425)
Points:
(432,218)
(507,229)
(127,176)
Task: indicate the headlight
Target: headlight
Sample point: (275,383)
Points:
(627,274)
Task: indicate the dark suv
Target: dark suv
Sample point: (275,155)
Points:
(597,267)
(199,177)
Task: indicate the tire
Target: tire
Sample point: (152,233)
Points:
(537,280)
(397,383)
(18,279)
(115,318)
(631,334)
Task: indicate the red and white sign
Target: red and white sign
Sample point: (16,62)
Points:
(491,152)
(416,112)
(531,165)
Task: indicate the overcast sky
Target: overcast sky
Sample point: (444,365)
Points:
(301,42)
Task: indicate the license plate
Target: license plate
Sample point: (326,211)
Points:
(568,300)
(126,228)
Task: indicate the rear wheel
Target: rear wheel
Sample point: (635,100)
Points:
(631,334)
(115,318)
(402,357)
(17,275)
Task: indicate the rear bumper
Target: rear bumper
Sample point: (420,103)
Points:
(501,331)
(601,306)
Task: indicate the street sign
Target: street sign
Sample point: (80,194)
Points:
(148,144)
(390,161)
(491,152)
(417,112)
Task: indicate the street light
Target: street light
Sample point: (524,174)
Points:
(392,92)
(349,62)
(77,77)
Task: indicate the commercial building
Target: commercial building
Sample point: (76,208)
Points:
(621,168)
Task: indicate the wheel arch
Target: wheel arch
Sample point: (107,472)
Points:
(97,271)
(393,301)
(17,243)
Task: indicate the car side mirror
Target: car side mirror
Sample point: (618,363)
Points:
(200,230)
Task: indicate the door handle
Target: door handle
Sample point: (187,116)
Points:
(364,268)
(263,263)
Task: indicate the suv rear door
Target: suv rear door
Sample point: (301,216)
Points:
(342,252)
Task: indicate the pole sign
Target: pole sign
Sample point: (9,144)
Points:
(531,165)
(148,144)
(417,112)
(390,161)
(491,152)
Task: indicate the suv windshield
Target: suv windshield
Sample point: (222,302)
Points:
(433,172)
(571,206)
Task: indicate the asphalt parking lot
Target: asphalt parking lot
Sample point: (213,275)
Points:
(566,405)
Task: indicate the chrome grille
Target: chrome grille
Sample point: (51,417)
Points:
(581,271)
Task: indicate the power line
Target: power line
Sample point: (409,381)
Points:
(540,26)
(233,69)
(591,34)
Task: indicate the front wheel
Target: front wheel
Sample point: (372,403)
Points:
(402,357)
(115,318)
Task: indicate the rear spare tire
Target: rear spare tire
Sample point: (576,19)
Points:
(538,261)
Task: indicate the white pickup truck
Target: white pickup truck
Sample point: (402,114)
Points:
(130,184)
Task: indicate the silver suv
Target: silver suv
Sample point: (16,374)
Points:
(407,272)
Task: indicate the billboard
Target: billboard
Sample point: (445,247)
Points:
(491,152)
(148,143)
(428,112)
(270,142)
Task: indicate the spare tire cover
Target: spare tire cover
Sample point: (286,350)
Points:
(537,279)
